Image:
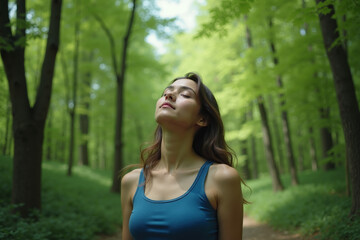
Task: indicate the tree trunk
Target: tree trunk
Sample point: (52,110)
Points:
(7,127)
(84,117)
(120,79)
(72,110)
(274,172)
(28,122)
(84,129)
(245,168)
(71,143)
(301,153)
(48,137)
(285,120)
(118,159)
(314,163)
(326,140)
(61,149)
(255,171)
(276,132)
(244,152)
(348,105)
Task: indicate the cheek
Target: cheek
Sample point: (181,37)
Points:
(192,109)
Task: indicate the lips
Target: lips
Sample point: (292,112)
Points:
(167,105)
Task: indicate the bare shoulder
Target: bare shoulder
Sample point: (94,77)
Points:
(130,179)
(224,174)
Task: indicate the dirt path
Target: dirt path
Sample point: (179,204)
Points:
(257,231)
(252,231)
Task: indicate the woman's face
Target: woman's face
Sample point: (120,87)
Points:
(179,105)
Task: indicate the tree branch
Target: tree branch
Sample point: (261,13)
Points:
(20,19)
(112,43)
(5,30)
(47,72)
(126,39)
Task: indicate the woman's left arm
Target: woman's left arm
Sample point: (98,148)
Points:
(229,203)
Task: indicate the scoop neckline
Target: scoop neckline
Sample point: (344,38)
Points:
(181,196)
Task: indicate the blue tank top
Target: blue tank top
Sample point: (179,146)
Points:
(187,217)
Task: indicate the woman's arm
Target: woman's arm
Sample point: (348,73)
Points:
(128,188)
(229,202)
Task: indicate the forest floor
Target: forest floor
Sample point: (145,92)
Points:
(252,231)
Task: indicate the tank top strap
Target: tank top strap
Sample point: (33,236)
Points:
(141,177)
(200,181)
(141,184)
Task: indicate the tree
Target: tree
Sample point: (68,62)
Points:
(346,96)
(120,79)
(28,121)
(284,114)
(84,115)
(73,103)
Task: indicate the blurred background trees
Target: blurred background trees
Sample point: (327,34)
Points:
(265,61)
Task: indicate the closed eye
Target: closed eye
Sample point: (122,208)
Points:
(185,96)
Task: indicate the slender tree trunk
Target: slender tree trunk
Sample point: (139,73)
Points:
(276,132)
(274,172)
(288,143)
(72,141)
(301,153)
(245,168)
(48,137)
(84,128)
(61,142)
(72,110)
(67,108)
(244,152)
(84,117)
(348,105)
(284,118)
(7,127)
(255,171)
(347,170)
(326,140)
(120,79)
(28,122)
(314,163)
(97,149)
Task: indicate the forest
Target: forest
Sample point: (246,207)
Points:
(79,81)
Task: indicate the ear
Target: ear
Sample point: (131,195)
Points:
(202,122)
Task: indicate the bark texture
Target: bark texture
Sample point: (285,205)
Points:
(274,172)
(346,96)
(28,122)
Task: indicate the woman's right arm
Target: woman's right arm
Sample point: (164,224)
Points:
(128,188)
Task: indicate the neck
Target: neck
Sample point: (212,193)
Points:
(177,151)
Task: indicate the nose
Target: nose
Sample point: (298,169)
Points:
(170,96)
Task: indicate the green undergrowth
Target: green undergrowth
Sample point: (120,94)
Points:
(318,208)
(79,207)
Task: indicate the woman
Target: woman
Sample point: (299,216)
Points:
(187,187)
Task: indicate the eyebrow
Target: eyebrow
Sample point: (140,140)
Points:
(171,87)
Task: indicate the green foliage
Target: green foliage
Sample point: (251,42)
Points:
(221,14)
(73,208)
(317,207)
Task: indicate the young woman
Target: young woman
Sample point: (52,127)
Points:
(187,188)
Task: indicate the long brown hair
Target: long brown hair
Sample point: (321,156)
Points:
(209,141)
